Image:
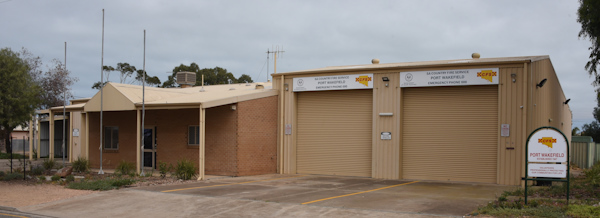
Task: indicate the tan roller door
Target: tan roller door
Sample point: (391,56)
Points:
(334,132)
(450,133)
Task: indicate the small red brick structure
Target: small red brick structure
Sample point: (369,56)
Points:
(224,129)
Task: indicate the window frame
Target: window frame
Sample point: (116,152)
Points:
(112,130)
(196,135)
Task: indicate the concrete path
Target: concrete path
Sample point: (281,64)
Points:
(281,196)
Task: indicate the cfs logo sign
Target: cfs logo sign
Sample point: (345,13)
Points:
(364,80)
(487,75)
(547,141)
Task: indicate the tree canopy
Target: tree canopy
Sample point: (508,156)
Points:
(588,15)
(126,72)
(19,93)
(212,76)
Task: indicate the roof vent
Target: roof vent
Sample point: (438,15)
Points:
(259,86)
(186,79)
(475,55)
(375,61)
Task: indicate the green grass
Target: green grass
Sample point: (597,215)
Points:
(101,185)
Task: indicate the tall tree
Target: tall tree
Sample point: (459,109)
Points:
(589,18)
(244,79)
(55,82)
(150,80)
(593,129)
(19,94)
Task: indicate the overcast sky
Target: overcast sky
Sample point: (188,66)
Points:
(235,35)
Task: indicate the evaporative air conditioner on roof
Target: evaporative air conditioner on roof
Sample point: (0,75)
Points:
(186,78)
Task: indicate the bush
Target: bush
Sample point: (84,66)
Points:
(12,176)
(48,164)
(81,165)
(55,178)
(2,173)
(592,175)
(42,178)
(185,169)
(37,170)
(164,168)
(101,185)
(70,178)
(125,168)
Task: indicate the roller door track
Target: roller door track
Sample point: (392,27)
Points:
(334,132)
(450,133)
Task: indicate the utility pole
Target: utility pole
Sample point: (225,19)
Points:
(274,52)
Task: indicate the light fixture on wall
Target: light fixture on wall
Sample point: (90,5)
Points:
(541,83)
(386,80)
(567,101)
(514,77)
(233,107)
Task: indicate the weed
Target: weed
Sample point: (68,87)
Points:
(185,169)
(42,178)
(125,168)
(81,165)
(2,173)
(55,178)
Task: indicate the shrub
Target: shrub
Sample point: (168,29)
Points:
(101,185)
(12,176)
(48,164)
(592,175)
(81,165)
(37,170)
(164,168)
(42,178)
(185,169)
(55,178)
(2,173)
(125,168)
(70,178)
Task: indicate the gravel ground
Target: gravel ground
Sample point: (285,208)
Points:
(19,194)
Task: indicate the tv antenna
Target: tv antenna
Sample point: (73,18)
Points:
(275,52)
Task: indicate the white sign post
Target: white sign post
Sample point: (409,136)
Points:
(547,159)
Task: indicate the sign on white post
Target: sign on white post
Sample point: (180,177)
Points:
(464,77)
(337,82)
(547,145)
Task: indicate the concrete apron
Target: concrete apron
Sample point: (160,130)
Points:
(283,195)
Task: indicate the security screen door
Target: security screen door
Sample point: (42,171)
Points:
(149,147)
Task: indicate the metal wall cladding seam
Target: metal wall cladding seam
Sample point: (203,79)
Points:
(450,133)
(334,132)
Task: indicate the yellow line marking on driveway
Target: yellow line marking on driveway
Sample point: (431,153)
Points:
(357,193)
(181,189)
(5,214)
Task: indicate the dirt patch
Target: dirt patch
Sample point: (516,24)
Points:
(19,194)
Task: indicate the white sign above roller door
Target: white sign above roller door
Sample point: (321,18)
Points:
(337,82)
(465,77)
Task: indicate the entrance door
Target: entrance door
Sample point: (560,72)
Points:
(149,147)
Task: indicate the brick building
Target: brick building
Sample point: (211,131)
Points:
(224,129)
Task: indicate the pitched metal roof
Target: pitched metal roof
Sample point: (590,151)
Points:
(419,64)
(121,97)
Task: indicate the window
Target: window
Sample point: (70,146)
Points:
(193,135)
(111,137)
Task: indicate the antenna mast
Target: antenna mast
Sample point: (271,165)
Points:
(274,52)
